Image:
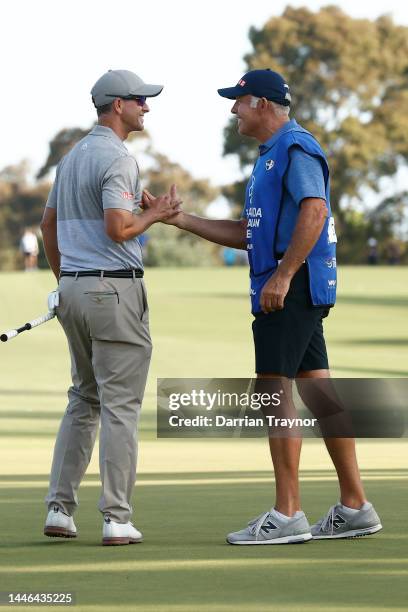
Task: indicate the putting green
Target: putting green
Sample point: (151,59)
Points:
(190,493)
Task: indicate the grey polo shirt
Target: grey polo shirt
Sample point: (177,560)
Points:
(98,173)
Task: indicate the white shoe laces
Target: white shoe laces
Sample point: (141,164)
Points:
(256,524)
(327,521)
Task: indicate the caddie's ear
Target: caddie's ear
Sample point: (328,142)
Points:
(264,103)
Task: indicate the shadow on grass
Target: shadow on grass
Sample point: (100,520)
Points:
(33,392)
(147,425)
(373,300)
(378,371)
(31,414)
(190,476)
(373,342)
(184,559)
(358,300)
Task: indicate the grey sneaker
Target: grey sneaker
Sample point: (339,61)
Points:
(268,528)
(340,523)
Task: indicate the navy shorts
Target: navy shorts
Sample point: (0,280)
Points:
(291,340)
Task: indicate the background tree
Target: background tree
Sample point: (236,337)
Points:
(59,146)
(349,85)
(21,206)
(22,203)
(167,245)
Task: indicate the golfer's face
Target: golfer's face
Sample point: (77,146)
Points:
(247,116)
(133,114)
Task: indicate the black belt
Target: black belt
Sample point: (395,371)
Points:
(135,273)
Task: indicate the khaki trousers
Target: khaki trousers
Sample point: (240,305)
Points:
(107,327)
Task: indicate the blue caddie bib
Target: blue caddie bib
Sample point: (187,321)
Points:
(263,203)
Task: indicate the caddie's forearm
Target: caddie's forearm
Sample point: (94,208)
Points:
(51,249)
(305,235)
(224,232)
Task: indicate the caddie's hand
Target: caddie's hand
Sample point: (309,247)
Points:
(162,207)
(274,292)
(175,201)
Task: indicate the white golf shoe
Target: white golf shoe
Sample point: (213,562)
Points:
(118,534)
(59,525)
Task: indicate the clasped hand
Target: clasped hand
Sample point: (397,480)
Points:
(167,206)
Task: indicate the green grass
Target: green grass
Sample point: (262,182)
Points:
(191,492)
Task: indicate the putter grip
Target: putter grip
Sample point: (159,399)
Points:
(34,323)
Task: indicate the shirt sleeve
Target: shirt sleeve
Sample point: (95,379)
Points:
(52,196)
(304,177)
(121,185)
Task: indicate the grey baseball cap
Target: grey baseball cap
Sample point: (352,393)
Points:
(121,84)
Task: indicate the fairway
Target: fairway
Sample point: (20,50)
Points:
(190,493)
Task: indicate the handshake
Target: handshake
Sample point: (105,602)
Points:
(166,208)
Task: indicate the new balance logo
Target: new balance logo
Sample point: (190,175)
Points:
(269,525)
(338,521)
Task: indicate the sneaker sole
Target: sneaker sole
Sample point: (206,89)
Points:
(59,532)
(297,539)
(119,541)
(353,533)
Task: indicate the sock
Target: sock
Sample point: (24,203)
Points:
(352,510)
(281,516)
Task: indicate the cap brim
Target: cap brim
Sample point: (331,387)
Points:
(232,92)
(150,91)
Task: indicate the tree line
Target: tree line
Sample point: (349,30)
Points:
(349,85)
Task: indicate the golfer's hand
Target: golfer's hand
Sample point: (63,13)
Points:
(161,208)
(148,200)
(53,300)
(274,292)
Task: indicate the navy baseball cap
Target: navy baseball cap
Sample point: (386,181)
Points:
(262,84)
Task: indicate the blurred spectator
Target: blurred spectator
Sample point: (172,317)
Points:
(372,251)
(143,240)
(234,257)
(229,256)
(29,248)
(393,253)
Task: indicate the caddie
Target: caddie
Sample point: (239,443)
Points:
(90,227)
(288,229)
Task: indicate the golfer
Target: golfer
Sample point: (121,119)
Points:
(289,232)
(90,227)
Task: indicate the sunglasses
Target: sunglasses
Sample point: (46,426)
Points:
(141,100)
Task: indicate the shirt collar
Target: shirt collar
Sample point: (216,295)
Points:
(286,127)
(107,132)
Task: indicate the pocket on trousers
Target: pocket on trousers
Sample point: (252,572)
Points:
(118,316)
(103,314)
(145,306)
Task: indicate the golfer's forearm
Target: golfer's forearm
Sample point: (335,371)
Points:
(225,232)
(51,249)
(120,229)
(306,233)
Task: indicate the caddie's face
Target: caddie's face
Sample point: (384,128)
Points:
(133,114)
(247,114)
